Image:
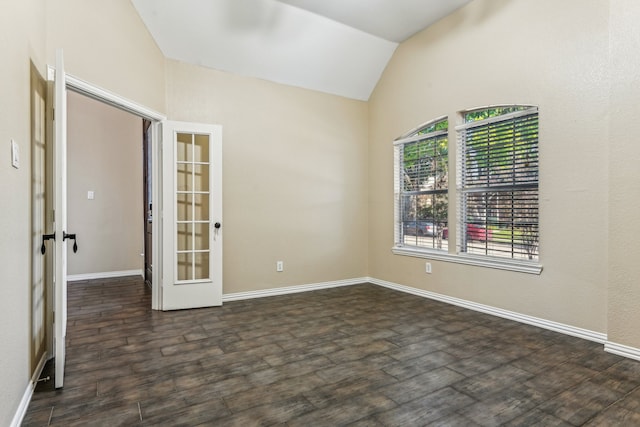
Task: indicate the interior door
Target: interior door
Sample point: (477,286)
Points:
(60,218)
(191,215)
(38,219)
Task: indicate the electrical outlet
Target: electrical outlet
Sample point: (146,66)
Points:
(279,266)
(427,268)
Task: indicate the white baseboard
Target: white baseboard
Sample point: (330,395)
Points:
(622,350)
(506,314)
(291,289)
(104,275)
(28,393)
(22,408)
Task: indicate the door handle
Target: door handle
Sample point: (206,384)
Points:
(46,237)
(217,225)
(66,236)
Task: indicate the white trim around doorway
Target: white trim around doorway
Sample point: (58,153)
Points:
(99,94)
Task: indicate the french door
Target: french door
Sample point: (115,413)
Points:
(39,293)
(191,215)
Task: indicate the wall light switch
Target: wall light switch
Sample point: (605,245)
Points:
(90,195)
(15,154)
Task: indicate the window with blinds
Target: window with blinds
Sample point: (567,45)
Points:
(497,183)
(421,187)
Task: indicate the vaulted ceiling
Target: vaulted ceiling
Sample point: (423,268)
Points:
(334,46)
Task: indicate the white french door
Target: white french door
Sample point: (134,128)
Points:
(60,218)
(191,215)
(38,220)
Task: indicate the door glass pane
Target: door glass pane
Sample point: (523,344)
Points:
(184,210)
(185,267)
(193,235)
(201,207)
(184,237)
(201,236)
(201,265)
(201,148)
(184,147)
(201,173)
(184,178)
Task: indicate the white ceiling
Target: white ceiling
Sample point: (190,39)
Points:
(334,46)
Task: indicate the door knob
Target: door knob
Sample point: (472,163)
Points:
(46,237)
(217,225)
(66,236)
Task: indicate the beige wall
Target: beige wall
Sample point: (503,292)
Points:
(501,52)
(624,175)
(104,155)
(294,176)
(107,44)
(21,41)
(120,57)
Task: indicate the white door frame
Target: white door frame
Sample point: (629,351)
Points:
(92,91)
(60,218)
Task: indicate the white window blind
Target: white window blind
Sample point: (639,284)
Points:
(421,187)
(497,184)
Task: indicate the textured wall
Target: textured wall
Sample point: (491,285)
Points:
(104,155)
(501,52)
(21,41)
(294,176)
(107,44)
(624,175)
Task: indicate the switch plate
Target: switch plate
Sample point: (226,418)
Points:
(427,268)
(279,266)
(15,154)
(91,195)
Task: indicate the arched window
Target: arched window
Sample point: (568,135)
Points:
(421,187)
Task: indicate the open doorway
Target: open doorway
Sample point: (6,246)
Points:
(59,86)
(147,218)
(104,189)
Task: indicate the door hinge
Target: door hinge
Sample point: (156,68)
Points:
(53,114)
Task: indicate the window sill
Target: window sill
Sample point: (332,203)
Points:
(489,262)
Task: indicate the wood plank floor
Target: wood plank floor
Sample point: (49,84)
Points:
(360,355)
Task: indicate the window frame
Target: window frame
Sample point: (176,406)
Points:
(454,158)
(524,188)
(414,136)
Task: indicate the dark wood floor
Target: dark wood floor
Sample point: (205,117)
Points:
(360,355)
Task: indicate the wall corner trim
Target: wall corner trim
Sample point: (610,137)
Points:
(506,314)
(238,296)
(622,350)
